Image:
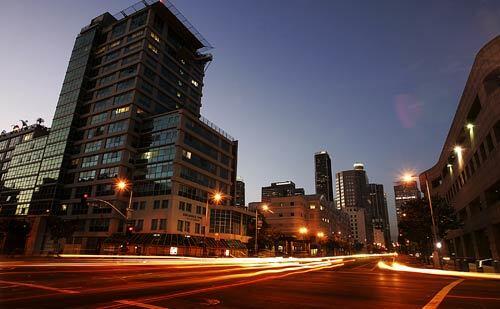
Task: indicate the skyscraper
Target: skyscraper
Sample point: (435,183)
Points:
(129,109)
(405,191)
(379,212)
(323,175)
(240,193)
(353,197)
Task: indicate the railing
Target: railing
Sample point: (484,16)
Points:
(216,128)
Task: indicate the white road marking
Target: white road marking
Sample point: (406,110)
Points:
(138,304)
(439,297)
(42,287)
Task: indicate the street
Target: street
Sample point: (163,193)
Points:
(191,283)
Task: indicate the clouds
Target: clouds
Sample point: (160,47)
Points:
(408,109)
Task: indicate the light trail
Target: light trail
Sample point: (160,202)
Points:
(400,267)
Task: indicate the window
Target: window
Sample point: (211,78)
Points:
(138,21)
(139,225)
(93,146)
(90,161)
(98,131)
(312,206)
(110,172)
(180,225)
(154,224)
(116,112)
(114,44)
(117,126)
(188,207)
(198,210)
(86,176)
(163,224)
(155,37)
(111,157)
(197,228)
(194,83)
(123,98)
(125,84)
(98,118)
(153,49)
(142,205)
(182,205)
(118,30)
(187,226)
(164,204)
(104,92)
(115,141)
(156,204)
(128,71)
(107,79)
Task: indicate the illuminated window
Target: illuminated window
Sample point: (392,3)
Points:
(312,206)
(155,37)
(194,83)
(114,44)
(153,49)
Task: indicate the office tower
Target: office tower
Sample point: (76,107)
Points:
(405,191)
(240,193)
(280,189)
(353,197)
(379,212)
(323,175)
(129,110)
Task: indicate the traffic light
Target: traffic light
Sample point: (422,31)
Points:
(129,231)
(83,199)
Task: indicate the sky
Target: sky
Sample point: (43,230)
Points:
(376,82)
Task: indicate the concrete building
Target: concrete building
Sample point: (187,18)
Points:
(280,189)
(353,197)
(405,191)
(467,172)
(323,175)
(129,110)
(305,219)
(240,193)
(380,215)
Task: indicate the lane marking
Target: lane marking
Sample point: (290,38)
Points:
(42,287)
(230,285)
(475,297)
(439,297)
(138,304)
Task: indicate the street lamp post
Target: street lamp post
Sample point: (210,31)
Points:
(216,197)
(435,254)
(265,207)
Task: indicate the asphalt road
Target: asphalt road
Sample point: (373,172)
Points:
(149,284)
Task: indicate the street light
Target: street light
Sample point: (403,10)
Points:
(303,230)
(123,185)
(216,197)
(320,234)
(434,228)
(264,207)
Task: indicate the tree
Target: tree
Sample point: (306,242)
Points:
(415,225)
(60,228)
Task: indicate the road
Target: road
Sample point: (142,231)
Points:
(348,283)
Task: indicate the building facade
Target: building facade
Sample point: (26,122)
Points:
(129,110)
(405,191)
(240,193)
(380,215)
(467,173)
(323,175)
(353,197)
(280,189)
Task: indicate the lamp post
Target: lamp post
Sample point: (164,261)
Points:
(265,207)
(123,185)
(436,243)
(216,197)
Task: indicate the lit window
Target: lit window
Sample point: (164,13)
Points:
(114,44)
(194,83)
(312,206)
(186,154)
(155,37)
(153,49)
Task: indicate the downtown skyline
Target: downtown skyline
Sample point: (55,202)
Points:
(408,111)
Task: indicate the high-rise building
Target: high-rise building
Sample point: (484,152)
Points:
(353,197)
(240,193)
(129,109)
(323,175)
(467,173)
(280,189)
(379,213)
(405,191)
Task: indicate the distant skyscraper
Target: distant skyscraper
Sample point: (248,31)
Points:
(404,192)
(380,215)
(240,193)
(323,175)
(353,196)
(280,189)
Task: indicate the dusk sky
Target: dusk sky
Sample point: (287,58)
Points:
(376,82)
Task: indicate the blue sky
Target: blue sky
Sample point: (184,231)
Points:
(370,81)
